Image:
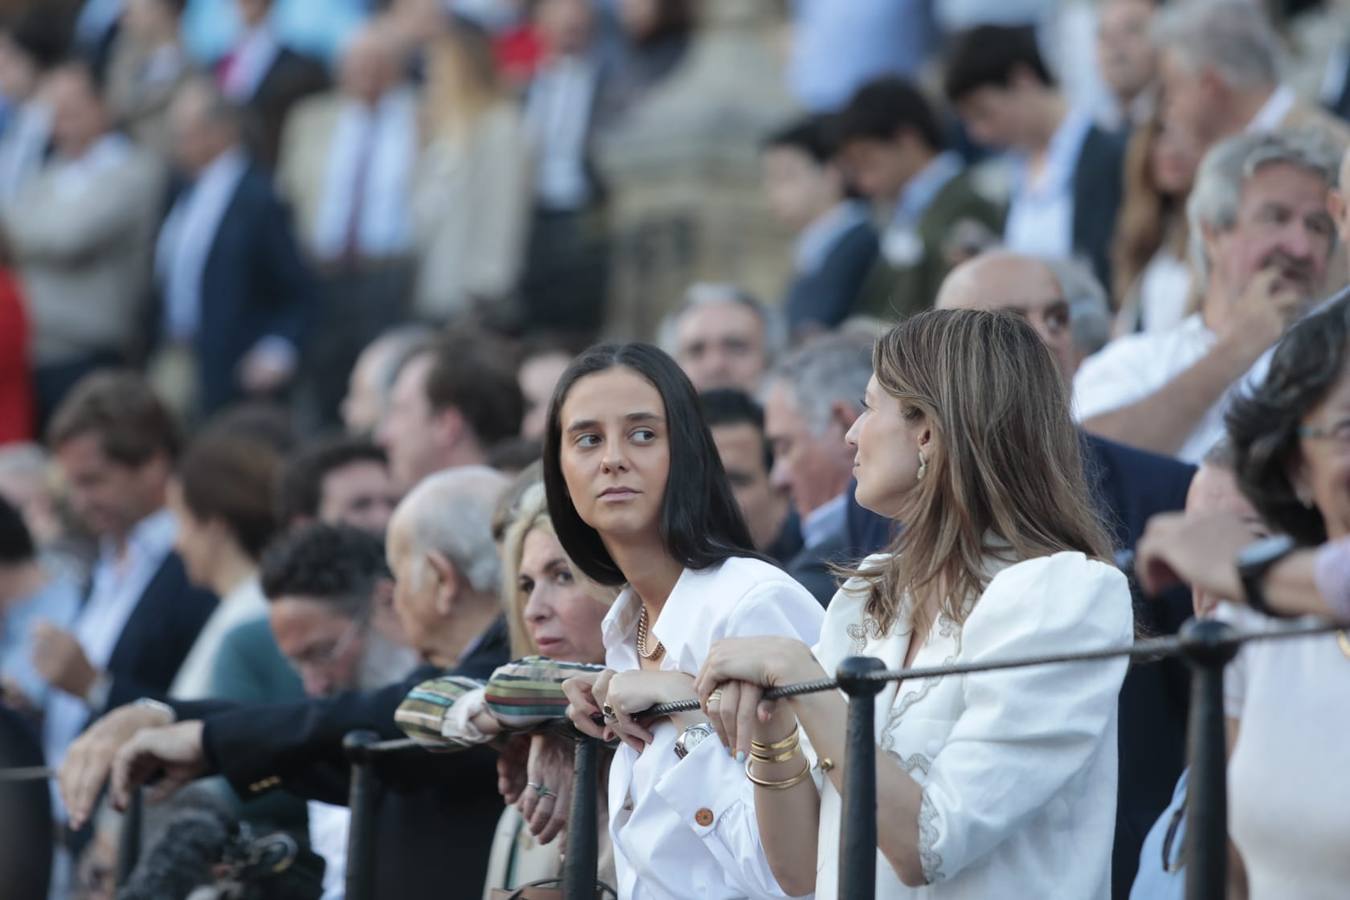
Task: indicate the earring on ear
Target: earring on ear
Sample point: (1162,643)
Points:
(923,466)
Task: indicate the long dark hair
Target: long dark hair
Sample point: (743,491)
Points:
(1263,425)
(700,524)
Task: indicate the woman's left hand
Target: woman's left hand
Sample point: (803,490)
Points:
(547,797)
(734,677)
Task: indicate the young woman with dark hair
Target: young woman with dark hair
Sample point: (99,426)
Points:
(638,497)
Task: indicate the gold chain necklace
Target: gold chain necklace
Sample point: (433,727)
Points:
(655,652)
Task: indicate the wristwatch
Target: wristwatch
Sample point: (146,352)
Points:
(691,737)
(1254,561)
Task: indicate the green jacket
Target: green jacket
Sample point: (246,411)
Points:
(907,274)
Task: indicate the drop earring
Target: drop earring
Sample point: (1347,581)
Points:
(923,466)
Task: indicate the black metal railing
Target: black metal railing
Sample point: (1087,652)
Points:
(1206,645)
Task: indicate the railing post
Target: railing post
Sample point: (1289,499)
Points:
(1209,646)
(361,804)
(583,850)
(858,837)
(129,840)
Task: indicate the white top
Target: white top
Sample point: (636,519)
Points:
(328,826)
(243,604)
(661,852)
(558,111)
(1164,286)
(1018,767)
(1132,367)
(1288,797)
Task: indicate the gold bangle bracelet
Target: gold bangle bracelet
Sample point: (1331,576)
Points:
(781,757)
(795,780)
(787,743)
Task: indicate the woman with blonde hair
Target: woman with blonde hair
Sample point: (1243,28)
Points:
(471,190)
(998,784)
(1152,280)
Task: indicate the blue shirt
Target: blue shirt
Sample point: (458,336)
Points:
(1153,882)
(56,602)
(840,45)
(1040,216)
(318,28)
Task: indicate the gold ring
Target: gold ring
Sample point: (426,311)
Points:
(715,698)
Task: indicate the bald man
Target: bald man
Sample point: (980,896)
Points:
(1067,307)
(433,806)
(1061,300)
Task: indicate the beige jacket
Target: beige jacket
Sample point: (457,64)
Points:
(83,248)
(471,213)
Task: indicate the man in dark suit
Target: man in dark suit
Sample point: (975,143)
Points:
(437,813)
(1069,180)
(115,445)
(236,295)
(1068,310)
(266,79)
(835,242)
(812,398)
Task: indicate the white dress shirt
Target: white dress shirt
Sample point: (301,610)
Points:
(686,827)
(382,141)
(186,239)
(328,826)
(558,112)
(1040,216)
(1018,767)
(196,674)
(117,586)
(1135,366)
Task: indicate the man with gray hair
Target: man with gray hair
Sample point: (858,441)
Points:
(1261,239)
(722,337)
(1220,73)
(1060,298)
(811,400)
(441,807)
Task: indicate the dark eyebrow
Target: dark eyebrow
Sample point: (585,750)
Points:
(587,424)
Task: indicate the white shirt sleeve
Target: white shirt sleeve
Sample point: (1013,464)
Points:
(1115,376)
(1025,733)
(709,780)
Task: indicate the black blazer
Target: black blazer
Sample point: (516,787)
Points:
(811,566)
(158,635)
(1097,186)
(437,814)
(255,284)
(291,77)
(826,296)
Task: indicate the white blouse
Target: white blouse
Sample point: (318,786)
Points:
(686,827)
(1018,767)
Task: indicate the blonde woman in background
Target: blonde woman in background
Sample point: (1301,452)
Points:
(471,190)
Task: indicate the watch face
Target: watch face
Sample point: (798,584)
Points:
(690,738)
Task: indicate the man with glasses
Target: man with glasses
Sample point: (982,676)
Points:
(324,584)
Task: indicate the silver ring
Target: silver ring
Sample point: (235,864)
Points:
(544,792)
(608,712)
(538,788)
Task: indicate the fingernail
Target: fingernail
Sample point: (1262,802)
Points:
(740,756)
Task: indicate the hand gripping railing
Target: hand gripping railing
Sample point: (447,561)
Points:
(1207,646)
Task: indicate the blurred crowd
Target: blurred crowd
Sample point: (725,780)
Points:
(287,288)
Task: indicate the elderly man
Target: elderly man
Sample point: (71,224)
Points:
(722,338)
(441,808)
(452,401)
(1261,239)
(1067,307)
(812,399)
(1219,73)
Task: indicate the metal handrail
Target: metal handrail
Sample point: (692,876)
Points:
(1206,645)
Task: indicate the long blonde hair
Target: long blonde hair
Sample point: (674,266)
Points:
(1005,472)
(531,514)
(463,82)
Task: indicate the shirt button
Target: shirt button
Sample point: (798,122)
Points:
(704,817)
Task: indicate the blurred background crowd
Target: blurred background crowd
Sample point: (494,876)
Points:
(271,263)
